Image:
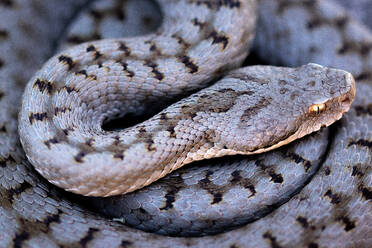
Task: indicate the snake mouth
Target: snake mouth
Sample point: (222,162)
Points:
(347,99)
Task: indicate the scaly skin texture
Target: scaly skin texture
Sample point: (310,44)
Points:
(34,213)
(98,81)
(173,206)
(241,114)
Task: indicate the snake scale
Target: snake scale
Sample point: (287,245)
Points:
(332,209)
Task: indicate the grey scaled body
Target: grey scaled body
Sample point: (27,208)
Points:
(40,215)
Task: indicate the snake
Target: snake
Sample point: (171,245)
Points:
(333,209)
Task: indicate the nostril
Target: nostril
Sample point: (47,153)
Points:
(346,100)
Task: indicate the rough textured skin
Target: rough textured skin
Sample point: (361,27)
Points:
(251,110)
(66,102)
(333,210)
(113,19)
(170,206)
(360,10)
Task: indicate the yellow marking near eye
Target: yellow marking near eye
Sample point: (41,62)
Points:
(317,108)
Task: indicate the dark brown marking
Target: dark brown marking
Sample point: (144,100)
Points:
(82,72)
(63,110)
(282,6)
(181,41)
(229,3)
(19,190)
(335,198)
(283,91)
(43,86)
(361,48)
(173,188)
(123,47)
(298,159)
(250,112)
(119,156)
(206,184)
(272,239)
(20,238)
(67,61)
(37,117)
(66,131)
(93,49)
(6,3)
(163,116)
(313,49)
(92,77)
(366,192)
(157,74)
(1,63)
(311,83)
(79,157)
(212,102)
(342,21)
(125,68)
(363,76)
(218,3)
(276,178)
(1,94)
(219,39)
(125,244)
(141,130)
(3,129)
(89,142)
(53,140)
(68,89)
(237,179)
(348,223)
(198,23)
(3,34)
(314,23)
(96,14)
(363,110)
(149,144)
(327,171)
(172,132)
(361,142)
(357,172)
(186,60)
(294,95)
(55,218)
(217,197)
(154,48)
(116,140)
(313,245)
(88,237)
(303,221)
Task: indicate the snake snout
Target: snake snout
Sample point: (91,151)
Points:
(348,97)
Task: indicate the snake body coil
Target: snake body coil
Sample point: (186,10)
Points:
(68,100)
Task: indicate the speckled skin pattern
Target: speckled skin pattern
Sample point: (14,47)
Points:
(66,102)
(332,210)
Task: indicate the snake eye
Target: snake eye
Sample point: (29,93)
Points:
(317,108)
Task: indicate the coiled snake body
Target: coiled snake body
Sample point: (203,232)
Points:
(333,209)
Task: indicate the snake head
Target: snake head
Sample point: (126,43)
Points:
(325,98)
(285,104)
